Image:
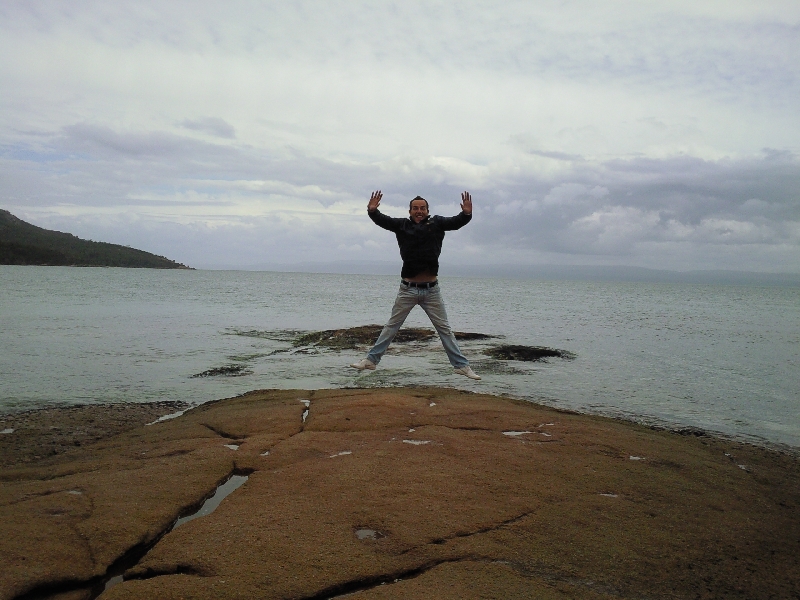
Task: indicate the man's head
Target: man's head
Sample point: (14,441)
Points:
(418,209)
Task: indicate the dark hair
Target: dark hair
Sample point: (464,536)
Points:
(419,198)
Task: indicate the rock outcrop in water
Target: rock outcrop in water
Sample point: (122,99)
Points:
(527,353)
(409,493)
(353,338)
(225,371)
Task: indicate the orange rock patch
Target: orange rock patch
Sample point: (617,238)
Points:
(405,493)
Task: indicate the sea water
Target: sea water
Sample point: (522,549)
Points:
(719,358)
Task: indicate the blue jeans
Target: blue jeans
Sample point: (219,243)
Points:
(430,299)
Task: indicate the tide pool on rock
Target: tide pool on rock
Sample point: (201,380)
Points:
(473,512)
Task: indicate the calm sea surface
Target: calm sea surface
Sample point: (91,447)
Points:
(721,358)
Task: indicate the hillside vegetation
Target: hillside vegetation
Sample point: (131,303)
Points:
(24,244)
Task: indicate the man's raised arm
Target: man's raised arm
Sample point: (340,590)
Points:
(380,219)
(462,218)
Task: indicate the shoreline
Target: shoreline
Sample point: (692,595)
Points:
(129,414)
(390,493)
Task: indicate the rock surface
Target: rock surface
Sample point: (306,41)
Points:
(403,493)
(36,434)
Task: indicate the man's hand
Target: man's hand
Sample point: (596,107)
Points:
(466,203)
(374,200)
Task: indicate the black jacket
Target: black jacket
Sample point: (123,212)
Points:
(420,243)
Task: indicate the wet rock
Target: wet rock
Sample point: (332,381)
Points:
(354,338)
(695,431)
(225,371)
(467,336)
(52,431)
(526,353)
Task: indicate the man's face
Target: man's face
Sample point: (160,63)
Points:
(418,211)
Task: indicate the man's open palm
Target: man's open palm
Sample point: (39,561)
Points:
(466,203)
(374,200)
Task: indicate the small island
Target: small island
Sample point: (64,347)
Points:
(24,244)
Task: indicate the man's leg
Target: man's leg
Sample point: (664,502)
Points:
(433,305)
(407,298)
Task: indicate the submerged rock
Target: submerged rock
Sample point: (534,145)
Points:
(353,338)
(526,353)
(468,336)
(225,371)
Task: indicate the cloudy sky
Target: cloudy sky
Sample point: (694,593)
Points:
(663,134)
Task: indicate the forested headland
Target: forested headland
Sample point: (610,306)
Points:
(24,244)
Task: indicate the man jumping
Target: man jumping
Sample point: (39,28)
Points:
(420,239)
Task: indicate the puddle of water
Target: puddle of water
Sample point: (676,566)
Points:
(116,573)
(306,402)
(417,442)
(368,534)
(609,495)
(75,492)
(515,433)
(343,453)
(212,503)
(114,581)
(637,458)
(232,446)
(169,416)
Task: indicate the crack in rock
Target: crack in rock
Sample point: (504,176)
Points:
(306,410)
(464,428)
(482,530)
(30,496)
(115,574)
(367,583)
(46,590)
(493,527)
(177,570)
(223,434)
(131,557)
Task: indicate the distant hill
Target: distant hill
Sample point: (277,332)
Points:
(24,244)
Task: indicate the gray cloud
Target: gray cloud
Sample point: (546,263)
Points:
(211,125)
(102,141)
